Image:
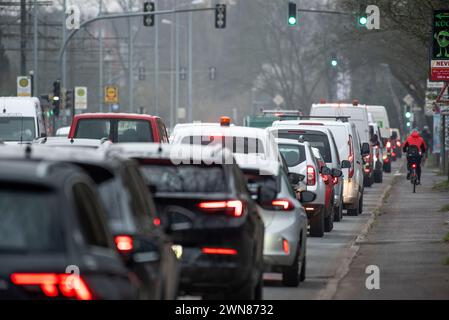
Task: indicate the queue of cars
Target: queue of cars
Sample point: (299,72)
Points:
(115,211)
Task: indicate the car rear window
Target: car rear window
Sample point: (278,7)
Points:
(93,129)
(134,131)
(293,154)
(29,220)
(241,145)
(316,139)
(186,178)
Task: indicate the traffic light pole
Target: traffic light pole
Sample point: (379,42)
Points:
(67,39)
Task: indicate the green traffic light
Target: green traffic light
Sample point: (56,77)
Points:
(363,20)
(334,63)
(408,115)
(409,124)
(292,21)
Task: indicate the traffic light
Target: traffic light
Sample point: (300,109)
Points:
(408,114)
(362,20)
(56,97)
(148,19)
(220,16)
(292,14)
(334,60)
(69,100)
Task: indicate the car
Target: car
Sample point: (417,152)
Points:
(269,116)
(81,143)
(130,213)
(380,117)
(63,132)
(54,238)
(397,142)
(21,120)
(318,211)
(119,127)
(284,217)
(318,135)
(379,157)
(204,204)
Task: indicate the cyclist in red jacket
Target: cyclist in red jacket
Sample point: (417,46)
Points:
(415,147)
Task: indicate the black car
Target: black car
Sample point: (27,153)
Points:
(54,239)
(130,212)
(206,207)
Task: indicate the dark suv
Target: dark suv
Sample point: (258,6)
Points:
(130,212)
(54,239)
(206,207)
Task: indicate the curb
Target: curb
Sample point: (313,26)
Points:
(351,251)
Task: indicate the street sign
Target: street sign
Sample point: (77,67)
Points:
(439,64)
(23,86)
(278,100)
(111,95)
(81,98)
(408,99)
(434,85)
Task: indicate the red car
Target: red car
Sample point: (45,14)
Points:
(119,127)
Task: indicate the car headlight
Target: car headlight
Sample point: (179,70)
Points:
(177,249)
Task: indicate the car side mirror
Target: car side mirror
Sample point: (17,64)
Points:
(336,173)
(295,178)
(325,170)
(345,164)
(365,149)
(307,197)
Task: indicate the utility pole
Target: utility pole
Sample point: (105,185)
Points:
(23,40)
(100,70)
(177,68)
(190,106)
(64,36)
(172,73)
(156,62)
(130,63)
(35,52)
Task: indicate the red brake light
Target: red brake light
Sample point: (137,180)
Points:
(311,176)
(234,206)
(325,178)
(285,246)
(393,154)
(219,251)
(398,143)
(52,284)
(157,222)
(414,165)
(283,204)
(335,180)
(124,243)
(351,157)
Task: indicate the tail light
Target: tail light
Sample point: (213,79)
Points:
(54,285)
(414,165)
(325,178)
(286,246)
(367,170)
(311,176)
(124,243)
(233,208)
(398,143)
(335,180)
(219,251)
(393,154)
(351,157)
(283,204)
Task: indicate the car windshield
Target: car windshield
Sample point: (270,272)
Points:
(293,154)
(17,129)
(314,138)
(239,145)
(29,221)
(186,178)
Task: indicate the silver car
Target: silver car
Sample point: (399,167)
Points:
(284,218)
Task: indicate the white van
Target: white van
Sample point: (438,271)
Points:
(21,120)
(380,116)
(358,115)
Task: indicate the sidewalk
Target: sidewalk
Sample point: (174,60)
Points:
(406,243)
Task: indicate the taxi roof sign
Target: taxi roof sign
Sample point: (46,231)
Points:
(225,121)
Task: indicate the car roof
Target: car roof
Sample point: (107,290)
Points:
(19,106)
(258,162)
(112,115)
(239,131)
(175,152)
(75,142)
(45,173)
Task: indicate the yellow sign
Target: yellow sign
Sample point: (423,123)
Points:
(111,94)
(23,87)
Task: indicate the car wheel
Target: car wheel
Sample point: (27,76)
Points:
(317,224)
(290,275)
(387,167)
(302,275)
(354,211)
(329,221)
(361,204)
(338,212)
(378,177)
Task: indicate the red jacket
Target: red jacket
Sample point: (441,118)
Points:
(415,139)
